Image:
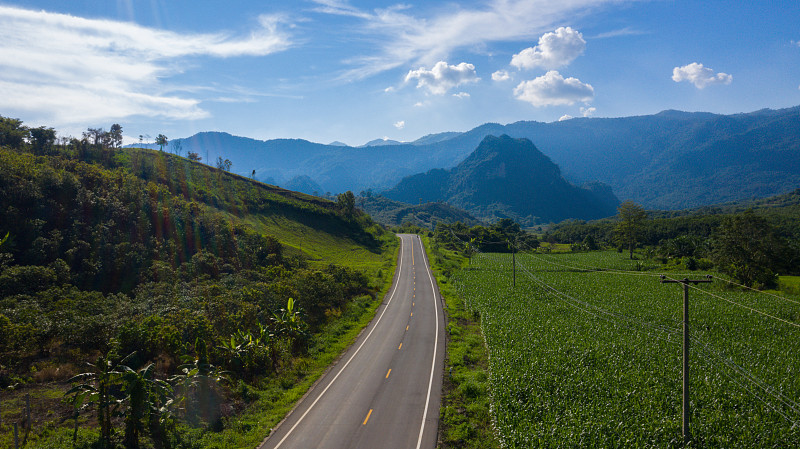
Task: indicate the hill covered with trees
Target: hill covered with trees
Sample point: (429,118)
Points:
(507,178)
(186,269)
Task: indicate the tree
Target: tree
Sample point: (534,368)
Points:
(194,156)
(146,404)
(748,248)
(630,228)
(224,164)
(177,147)
(347,203)
(96,387)
(12,132)
(115,135)
(42,139)
(94,135)
(162,141)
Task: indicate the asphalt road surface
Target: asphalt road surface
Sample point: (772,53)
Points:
(386,389)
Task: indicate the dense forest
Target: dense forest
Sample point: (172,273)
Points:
(144,262)
(752,241)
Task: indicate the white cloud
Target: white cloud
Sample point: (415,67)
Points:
(443,77)
(627,31)
(406,39)
(400,125)
(67,69)
(389,89)
(501,75)
(461,95)
(588,112)
(700,76)
(556,49)
(565,117)
(552,89)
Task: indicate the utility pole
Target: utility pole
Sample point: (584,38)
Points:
(685,281)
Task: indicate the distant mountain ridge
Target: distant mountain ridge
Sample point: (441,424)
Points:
(670,160)
(507,178)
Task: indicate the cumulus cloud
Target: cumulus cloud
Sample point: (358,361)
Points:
(407,39)
(461,95)
(555,49)
(700,76)
(552,89)
(400,125)
(501,75)
(565,117)
(443,77)
(588,112)
(67,69)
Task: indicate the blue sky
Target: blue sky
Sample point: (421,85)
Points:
(353,71)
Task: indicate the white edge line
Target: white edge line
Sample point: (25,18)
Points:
(399,273)
(435,345)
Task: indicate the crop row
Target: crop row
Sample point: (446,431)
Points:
(587,353)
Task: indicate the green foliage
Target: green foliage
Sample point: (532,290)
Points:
(598,363)
(749,249)
(171,258)
(12,132)
(502,236)
(630,227)
(161,141)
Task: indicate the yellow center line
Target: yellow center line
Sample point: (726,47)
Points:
(406,327)
(387,374)
(401,345)
(412,313)
(367,418)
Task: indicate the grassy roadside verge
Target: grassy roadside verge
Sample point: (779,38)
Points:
(464,417)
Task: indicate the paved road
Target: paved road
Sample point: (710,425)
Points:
(385,391)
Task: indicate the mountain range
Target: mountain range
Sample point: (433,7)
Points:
(670,160)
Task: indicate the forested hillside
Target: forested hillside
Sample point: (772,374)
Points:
(426,215)
(118,252)
(507,178)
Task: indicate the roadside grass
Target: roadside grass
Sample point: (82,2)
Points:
(464,417)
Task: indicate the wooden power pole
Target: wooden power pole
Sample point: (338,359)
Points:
(685,281)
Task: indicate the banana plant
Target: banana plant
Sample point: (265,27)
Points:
(194,384)
(148,402)
(95,389)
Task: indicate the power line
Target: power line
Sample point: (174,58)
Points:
(746,307)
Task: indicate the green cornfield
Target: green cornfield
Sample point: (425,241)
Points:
(586,351)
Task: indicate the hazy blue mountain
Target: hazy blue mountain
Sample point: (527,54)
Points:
(670,160)
(433,138)
(304,184)
(507,177)
(382,142)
